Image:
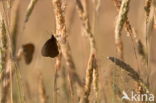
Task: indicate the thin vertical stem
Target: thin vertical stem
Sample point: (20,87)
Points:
(63,43)
(92,69)
(57,68)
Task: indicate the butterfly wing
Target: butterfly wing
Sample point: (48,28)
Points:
(50,48)
(28,52)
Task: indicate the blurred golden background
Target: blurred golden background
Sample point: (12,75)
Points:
(42,24)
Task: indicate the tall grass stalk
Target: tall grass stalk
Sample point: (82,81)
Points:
(3,58)
(131,32)
(63,43)
(122,17)
(6,74)
(97,4)
(92,69)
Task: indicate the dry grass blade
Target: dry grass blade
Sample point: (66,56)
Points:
(14,31)
(131,71)
(62,41)
(122,17)
(126,67)
(30,9)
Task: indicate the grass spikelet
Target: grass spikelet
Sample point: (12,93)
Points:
(95,80)
(122,17)
(3,45)
(30,10)
(3,61)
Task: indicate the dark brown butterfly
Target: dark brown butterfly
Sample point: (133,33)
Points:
(28,50)
(50,48)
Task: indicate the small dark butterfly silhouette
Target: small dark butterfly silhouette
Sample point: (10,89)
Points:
(50,48)
(28,50)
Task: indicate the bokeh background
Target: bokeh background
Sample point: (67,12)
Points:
(42,24)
